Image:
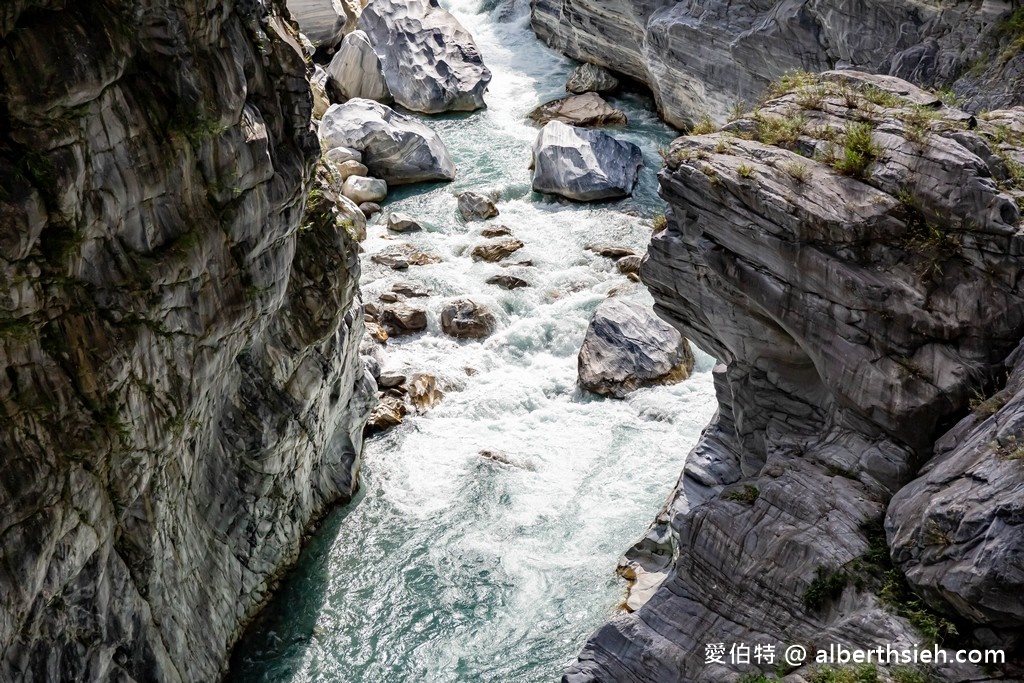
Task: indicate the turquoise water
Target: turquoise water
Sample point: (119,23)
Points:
(449,566)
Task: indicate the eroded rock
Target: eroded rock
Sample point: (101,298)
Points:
(579,110)
(496,250)
(474,206)
(402,319)
(584,165)
(591,78)
(466,319)
(355,71)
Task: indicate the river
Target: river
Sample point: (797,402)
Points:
(449,566)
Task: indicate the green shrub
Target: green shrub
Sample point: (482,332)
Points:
(704,126)
(826,586)
(859,151)
(748,494)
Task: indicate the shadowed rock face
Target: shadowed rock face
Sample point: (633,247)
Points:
(704,57)
(180,391)
(582,164)
(856,293)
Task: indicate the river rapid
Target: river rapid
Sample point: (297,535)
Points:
(453,567)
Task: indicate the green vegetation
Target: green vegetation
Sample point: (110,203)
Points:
(881,98)
(985,406)
(798,171)
(704,126)
(862,673)
(659,223)
(745,171)
(748,494)
(1011,30)
(1009,447)
(723,146)
(896,593)
(755,677)
(791,80)
(780,131)
(826,587)
(812,97)
(859,151)
(924,239)
(906,674)
(195,124)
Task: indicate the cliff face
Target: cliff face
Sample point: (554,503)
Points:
(850,253)
(705,56)
(181,390)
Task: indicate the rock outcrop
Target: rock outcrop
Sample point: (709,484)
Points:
(394,147)
(591,78)
(584,165)
(849,253)
(431,63)
(181,393)
(706,57)
(628,347)
(355,71)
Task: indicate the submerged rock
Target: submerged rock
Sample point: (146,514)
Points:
(579,110)
(355,71)
(466,319)
(507,281)
(475,207)
(394,147)
(610,251)
(591,78)
(431,63)
(627,347)
(496,231)
(584,165)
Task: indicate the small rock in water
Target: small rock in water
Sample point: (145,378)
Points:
(585,110)
(388,413)
(474,206)
(389,297)
(466,319)
(496,231)
(369,209)
(376,332)
(400,222)
(409,289)
(591,78)
(610,251)
(507,281)
(629,265)
(391,379)
(496,250)
(371,309)
(496,456)
(402,319)
(361,189)
(423,391)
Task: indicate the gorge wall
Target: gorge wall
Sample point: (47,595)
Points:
(707,56)
(850,253)
(179,327)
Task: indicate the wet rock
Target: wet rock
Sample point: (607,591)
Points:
(424,391)
(355,71)
(400,222)
(466,319)
(629,265)
(496,250)
(402,319)
(387,414)
(589,110)
(610,251)
(392,259)
(591,78)
(395,147)
(376,332)
(389,297)
(369,209)
(361,189)
(388,380)
(409,289)
(371,309)
(431,63)
(496,456)
(496,231)
(627,347)
(583,164)
(507,281)
(475,207)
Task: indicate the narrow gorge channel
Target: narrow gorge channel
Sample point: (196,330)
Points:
(450,566)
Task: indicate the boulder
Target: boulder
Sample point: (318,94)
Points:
(369,209)
(582,164)
(588,109)
(409,289)
(496,250)
(466,319)
(351,167)
(349,213)
(627,347)
(629,265)
(610,251)
(317,83)
(388,413)
(430,62)
(591,78)
(401,256)
(388,380)
(401,319)
(475,206)
(400,222)
(355,71)
(363,189)
(507,281)
(395,147)
(424,391)
(339,155)
(496,231)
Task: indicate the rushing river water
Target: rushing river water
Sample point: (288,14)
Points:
(449,566)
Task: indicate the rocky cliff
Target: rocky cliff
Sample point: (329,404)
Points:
(181,393)
(850,253)
(707,56)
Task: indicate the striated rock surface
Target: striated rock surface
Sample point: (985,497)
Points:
(431,62)
(181,393)
(356,71)
(585,110)
(851,258)
(584,165)
(394,147)
(627,347)
(474,206)
(591,78)
(705,57)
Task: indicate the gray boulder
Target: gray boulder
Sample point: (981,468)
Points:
(362,189)
(584,165)
(627,347)
(400,222)
(355,71)
(431,63)
(591,78)
(585,110)
(466,319)
(394,147)
(401,319)
(475,206)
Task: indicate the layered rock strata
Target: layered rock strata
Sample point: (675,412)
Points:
(706,57)
(181,392)
(850,253)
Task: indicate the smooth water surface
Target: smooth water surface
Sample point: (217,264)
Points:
(454,567)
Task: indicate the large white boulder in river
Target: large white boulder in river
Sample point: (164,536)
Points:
(585,165)
(627,347)
(397,148)
(356,70)
(431,62)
